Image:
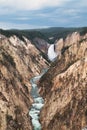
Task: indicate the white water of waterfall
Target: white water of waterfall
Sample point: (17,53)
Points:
(51,53)
(37,104)
(85,128)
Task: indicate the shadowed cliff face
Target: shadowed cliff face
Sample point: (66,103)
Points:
(41,44)
(64,88)
(19,61)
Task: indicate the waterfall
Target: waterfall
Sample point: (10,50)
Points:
(51,53)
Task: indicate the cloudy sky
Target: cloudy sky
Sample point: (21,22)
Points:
(28,14)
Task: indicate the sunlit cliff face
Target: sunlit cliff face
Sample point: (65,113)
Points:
(51,53)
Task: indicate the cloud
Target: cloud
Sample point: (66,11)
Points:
(22,18)
(30,4)
(25,14)
(71,11)
(4,11)
(10,25)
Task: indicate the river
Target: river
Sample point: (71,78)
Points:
(38,102)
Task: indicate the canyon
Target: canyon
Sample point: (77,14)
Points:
(63,86)
(19,62)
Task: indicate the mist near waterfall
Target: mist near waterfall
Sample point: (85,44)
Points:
(51,53)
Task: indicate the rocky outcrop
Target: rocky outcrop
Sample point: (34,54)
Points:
(41,44)
(19,61)
(72,38)
(62,44)
(64,88)
(59,45)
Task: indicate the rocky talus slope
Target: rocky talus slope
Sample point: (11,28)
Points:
(19,61)
(64,87)
(41,44)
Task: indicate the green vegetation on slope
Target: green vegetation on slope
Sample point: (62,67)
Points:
(55,32)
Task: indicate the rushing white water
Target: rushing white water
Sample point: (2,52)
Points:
(51,53)
(85,128)
(37,104)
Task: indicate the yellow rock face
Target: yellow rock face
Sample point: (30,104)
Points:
(19,61)
(64,88)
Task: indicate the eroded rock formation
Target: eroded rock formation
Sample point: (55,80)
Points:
(19,61)
(64,87)
(41,44)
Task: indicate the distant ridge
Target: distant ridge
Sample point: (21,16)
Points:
(44,33)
